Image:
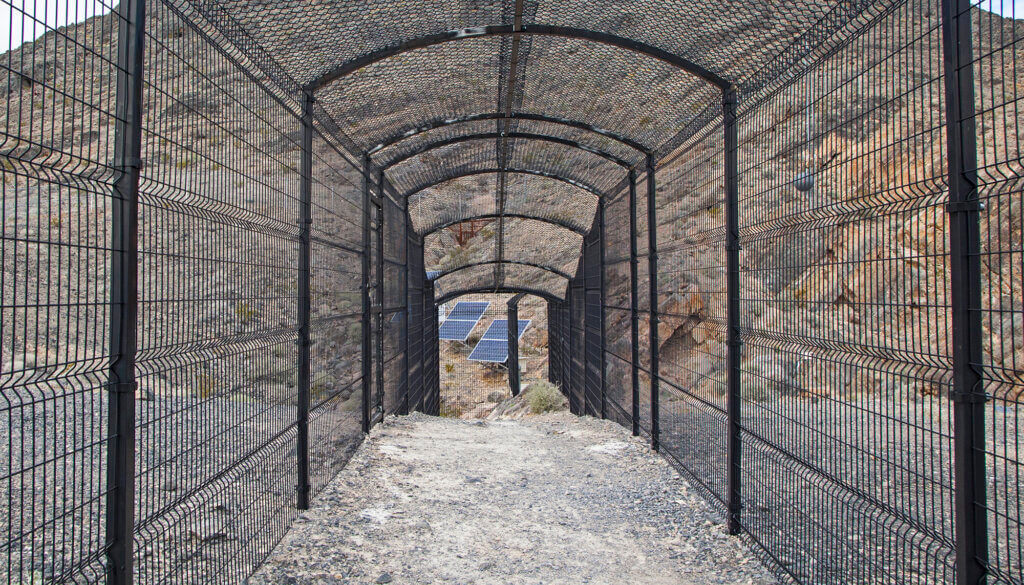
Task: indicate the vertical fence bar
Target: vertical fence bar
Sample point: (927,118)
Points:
(124,278)
(634,291)
(733,343)
(305,219)
(652,280)
(513,344)
(366,323)
(404,408)
(604,348)
(378,400)
(968,392)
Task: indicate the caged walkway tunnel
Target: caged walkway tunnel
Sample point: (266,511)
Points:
(779,240)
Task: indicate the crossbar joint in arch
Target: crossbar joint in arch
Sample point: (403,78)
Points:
(434,125)
(508,29)
(546,295)
(514,135)
(550,269)
(554,222)
(496,170)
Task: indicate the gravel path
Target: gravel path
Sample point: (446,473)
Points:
(545,500)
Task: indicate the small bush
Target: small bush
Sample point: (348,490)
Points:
(544,397)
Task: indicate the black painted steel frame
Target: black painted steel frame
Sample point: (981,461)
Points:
(571,337)
(124,304)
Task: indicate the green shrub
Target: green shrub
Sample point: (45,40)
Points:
(544,397)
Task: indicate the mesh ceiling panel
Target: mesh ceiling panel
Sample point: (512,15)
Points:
(387,97)
(551,199)
(483,277)
(549,158)
(542,243)
(408,145)
(384,73)
(452,201)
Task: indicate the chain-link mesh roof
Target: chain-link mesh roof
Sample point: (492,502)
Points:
(435,91)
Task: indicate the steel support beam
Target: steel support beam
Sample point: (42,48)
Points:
(305,219)
(734,345)
(634,306)
(124,276)
(443,122)
(500,289)
(496,170)
(551,269)
(652,281)
(367,289)
(604,332)
(513,343)
(964,207)
(516,29)
(378,399)
(555,222)
(505,136)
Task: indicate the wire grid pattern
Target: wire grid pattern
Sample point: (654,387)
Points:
(692,309)
(997,46)
(218,242)
(846,308)
(57,184)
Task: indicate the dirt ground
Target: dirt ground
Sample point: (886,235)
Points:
(547,500)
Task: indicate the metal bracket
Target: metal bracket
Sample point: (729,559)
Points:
(965,206)
(124,388)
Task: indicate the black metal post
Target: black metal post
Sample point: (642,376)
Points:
(652,280)
(734,345)
(604,348)
(513,344)
(964,207)
(379,398)
(367,288)
(404,409)
(305,219)
(634,292)
(124,278)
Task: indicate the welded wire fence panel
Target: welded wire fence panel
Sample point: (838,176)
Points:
(335,313)
(692,309)
(55,253)
(217,360)
(998,33)
(846,418)
(215,467)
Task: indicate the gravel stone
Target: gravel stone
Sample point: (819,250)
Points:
(560,500)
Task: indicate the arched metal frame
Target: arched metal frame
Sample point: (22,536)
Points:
(498,289)
(550,269)
(517,30)
(554,222)
(520,135)
(494,170)
(442,123)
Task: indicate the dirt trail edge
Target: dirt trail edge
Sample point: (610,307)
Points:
(544,500)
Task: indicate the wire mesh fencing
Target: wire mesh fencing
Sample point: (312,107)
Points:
(791,259)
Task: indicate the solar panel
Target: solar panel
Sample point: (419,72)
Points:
(490,350)
(469,310)
(461,320)
(493,346)
(499,329)
(455,329)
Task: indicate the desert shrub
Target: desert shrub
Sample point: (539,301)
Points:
(544,397)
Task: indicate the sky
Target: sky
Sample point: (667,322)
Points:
(26,20)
